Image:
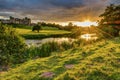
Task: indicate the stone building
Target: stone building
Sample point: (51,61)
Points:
(25,21)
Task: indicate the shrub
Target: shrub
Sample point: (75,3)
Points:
(11,46)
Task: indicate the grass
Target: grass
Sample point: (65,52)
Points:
(98,61)
(29,34)
(46,49)
(49,28)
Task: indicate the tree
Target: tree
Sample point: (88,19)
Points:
(36,27)
(110,17)
(70,24)
(69,27)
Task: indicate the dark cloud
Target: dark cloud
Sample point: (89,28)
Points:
(67,3)
(55,10)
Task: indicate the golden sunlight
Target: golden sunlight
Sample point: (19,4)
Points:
(89,37)
(86,23)
(86,36)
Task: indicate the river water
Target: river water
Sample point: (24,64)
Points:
(88,37)
(32,42)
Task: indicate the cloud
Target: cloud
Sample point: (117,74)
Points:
(55,10)
(68,3)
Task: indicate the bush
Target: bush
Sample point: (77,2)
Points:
(11,47)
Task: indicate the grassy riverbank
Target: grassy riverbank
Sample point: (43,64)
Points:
(98,61)
(45,33)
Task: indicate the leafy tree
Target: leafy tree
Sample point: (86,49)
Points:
(70,24)
(12,47)
(109,18)
(36,27)
(112,13)
(69,27)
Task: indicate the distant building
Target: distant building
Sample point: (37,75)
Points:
(5,21)
(26,21)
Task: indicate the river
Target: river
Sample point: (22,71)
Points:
(39,42)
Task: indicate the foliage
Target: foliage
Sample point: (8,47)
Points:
(109,18)
(112,13)
(11,47)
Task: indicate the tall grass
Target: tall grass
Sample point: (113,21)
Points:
(46,49)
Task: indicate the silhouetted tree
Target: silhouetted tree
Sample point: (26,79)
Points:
(36,27)
(70,24)
(69,27)
(109,18)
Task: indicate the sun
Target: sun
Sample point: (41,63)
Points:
(86,23)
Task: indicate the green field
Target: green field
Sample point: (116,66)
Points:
(46,32)
(98,61)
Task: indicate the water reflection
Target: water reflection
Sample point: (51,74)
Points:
(89,37)
(42,41)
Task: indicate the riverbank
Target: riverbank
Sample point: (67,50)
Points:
(29,34)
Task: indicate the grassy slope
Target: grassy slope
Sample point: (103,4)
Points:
(27,33)
(100,61)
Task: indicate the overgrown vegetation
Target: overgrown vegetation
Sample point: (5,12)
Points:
(12,47)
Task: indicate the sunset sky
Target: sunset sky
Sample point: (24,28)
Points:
(54,10)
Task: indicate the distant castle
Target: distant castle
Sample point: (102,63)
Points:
(25,21)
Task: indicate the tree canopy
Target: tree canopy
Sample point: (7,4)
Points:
(110,22)
(111,14)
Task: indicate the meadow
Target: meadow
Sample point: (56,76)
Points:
(97,61)
(44,33)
